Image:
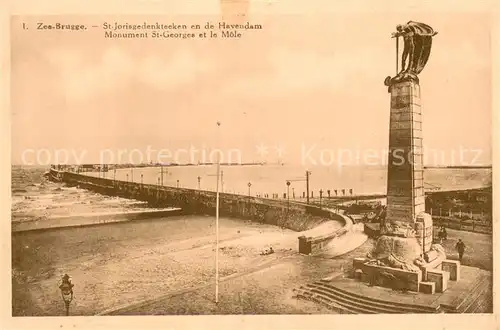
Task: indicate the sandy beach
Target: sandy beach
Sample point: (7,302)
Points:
(118,264)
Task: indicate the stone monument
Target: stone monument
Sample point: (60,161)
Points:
(405,252)
(407,229)
(406,215)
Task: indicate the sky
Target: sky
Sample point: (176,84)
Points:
(302,83)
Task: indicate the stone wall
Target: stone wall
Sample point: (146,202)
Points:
(316,243)
(298,217)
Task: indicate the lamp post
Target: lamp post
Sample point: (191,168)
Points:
(161,169)
(177,183)
(199,182)
(158,191)
(320,197)
(127,177)
(249,185)
(217,219)
(142,178)
(307,184)
(222,180)
(132,174)
(288,193)
(66,288)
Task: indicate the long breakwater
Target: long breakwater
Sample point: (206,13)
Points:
(295,216)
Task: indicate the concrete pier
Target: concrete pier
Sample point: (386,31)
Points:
(294,216)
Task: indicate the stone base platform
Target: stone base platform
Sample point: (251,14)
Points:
(472,294)
(372,229)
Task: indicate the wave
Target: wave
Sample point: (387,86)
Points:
(35,198)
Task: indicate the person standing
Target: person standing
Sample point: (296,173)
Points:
(460,246)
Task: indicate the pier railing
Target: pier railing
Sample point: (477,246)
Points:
(472,225)
(286,214)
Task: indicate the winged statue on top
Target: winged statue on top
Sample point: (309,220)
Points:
(417,38)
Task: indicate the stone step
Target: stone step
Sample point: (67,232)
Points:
(473,299)
(483,305)
(464,304)
(330,304)
(307,295)
(393,305)
(460,303)
(478,307)
(303,293)
(352,305)
(341,306)
(385,307)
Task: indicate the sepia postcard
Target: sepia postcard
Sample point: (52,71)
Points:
(249,163)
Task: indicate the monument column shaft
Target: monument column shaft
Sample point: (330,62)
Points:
(405,181)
